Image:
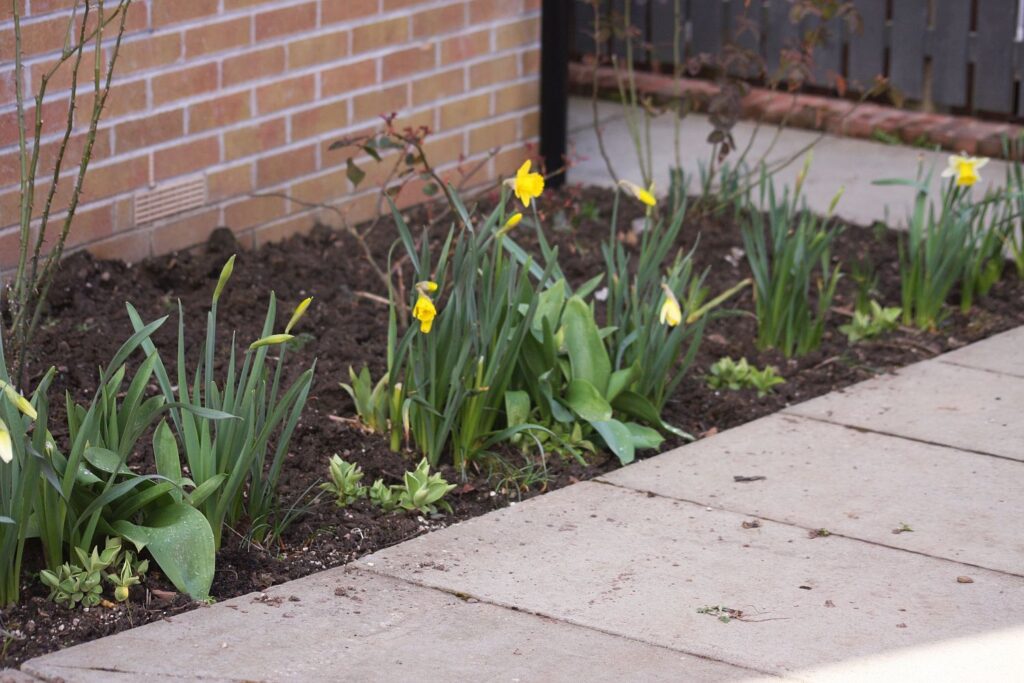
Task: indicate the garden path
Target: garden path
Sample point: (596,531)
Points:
(850,163)
(870,534)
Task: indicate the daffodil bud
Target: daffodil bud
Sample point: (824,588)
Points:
(6,446)
(300,311)
(121,593)
(512,222)
(225,275)
(645,197)
(272,340)
(19,401)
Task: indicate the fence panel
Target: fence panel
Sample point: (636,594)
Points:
(899,47)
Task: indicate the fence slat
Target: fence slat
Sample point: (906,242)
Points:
(637,26)
(993,70)
(906,67)
(867,48)
(949,62)
(779,33)
(662,30)
(828,56)
(583,35)
(707,18)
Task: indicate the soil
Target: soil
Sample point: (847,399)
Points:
(346,326)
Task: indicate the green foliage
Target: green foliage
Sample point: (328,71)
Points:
(372,400)
(344,483)
(131,573)
(383,496)
(789,251)
(235,462)
(72,584)
(874,322)
(454,377)
(422,491)
(735,375)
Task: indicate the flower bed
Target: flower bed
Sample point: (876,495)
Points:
(347,326)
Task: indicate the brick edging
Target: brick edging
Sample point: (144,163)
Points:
(817,112)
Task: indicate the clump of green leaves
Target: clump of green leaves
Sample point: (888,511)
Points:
(81,582)
(736,375)
(345,482)
(789,251)
(422,491)
(132,571)
(383,496)
(874,322)
(371,399)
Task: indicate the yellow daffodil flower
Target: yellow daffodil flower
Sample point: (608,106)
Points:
(300,311)
(6,447)
(512,222)
(425,312)
(644,196)
(426,286)
(965,169)
(18,401)
(526,185)
(671,314)
(272,340)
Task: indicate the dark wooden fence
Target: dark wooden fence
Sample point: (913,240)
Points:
(960,55)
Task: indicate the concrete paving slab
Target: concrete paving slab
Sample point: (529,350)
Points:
(935,402)
(994,656)
(15,676)
(838,161)
(1002,353)
(358,626)
(861,485)
(653,568)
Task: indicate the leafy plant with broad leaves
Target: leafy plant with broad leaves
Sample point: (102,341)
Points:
(727,373)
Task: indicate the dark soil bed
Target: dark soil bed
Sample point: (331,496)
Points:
(87,322)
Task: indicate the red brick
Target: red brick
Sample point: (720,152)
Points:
(182,233)
(275,169)
(523,32)
(446,19)
(493,135)
(284,94)
(146,54)
(252,65)
(318,50)
(465,47)
(149,130)
(320,119)
(437,86)
(321,188)
(224,35)
(124,98)
(383,101)
(349,77)
(219,112)
(467,110)
(116,177)
(530,63)
(279,22)
(516,97)
(481,11)
(493,71)
(334,11)
(172,12)
(187,157)
(229,182)
(131,247)
(253,211)
(384,33)
(243,142)
(404,62)
(184,83)
(87,225)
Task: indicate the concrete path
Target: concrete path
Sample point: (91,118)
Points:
(883,542)
(838,162)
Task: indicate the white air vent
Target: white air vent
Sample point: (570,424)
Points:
(170,198)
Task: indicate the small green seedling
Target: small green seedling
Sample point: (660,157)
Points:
(422,491)
(344,483)
(384,497)
(130,575)
(81,583)
(735,375)
(872,323)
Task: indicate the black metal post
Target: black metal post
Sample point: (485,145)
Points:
(554,87)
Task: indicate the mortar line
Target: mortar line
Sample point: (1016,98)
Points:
(857,428)
(1000,373)
(464,595)
(794,525)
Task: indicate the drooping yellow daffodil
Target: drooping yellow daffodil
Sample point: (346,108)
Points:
(527,186)
(6,447)
(18,401)
(644,196)
(425,312)
(426,286)
(512,222)
(671,314)
(300,311)
(965,169)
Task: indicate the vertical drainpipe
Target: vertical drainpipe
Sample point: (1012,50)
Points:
(554,87)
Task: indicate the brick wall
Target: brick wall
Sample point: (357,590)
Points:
(237,97)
